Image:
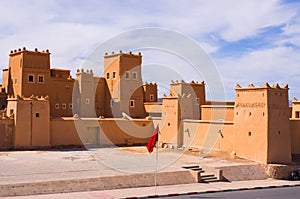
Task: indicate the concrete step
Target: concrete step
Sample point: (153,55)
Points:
(207,177)
(197,169)
(209,181)
(190,166)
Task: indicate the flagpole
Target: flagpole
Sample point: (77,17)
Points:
(156,165)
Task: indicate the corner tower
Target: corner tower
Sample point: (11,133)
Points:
(261,124)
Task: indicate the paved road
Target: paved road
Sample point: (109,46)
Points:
(278,193)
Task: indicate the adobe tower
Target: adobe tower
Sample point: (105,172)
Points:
(124,79)
(261,123)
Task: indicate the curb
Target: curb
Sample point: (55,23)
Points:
(210,191)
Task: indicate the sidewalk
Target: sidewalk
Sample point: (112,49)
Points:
(173,190)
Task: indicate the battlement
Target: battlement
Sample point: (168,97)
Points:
(121,53)
(82,71)
(177,96)
(176,82)
(264,86)
(149,84)
(19,51)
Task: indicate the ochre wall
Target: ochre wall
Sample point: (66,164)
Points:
(251,124)
(171,123)
(60,93)
(279,133)
(217,112)
(295,136)
(6,134)
(34,131)
(208,135)
(103,132)
(63,132)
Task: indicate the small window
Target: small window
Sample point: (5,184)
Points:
(127,75)
(57,106)
(131,103)
(87,100)
(37,114)
(16,80)
(134,75)
(112,103)
(40,78)
(297,114)
(114,75)
(70,106)
(30,78)
(151,98)
(249,133)
(107,75)
(64,106)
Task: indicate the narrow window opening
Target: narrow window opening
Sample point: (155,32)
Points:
(151,98)
(30,78)
(131,103)
(127,75)
(134,75)
(40,78)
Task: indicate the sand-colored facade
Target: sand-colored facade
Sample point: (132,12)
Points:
(45,107)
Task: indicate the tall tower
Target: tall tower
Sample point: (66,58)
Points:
(123,75)
(261,124)
(29,72)
(85,100)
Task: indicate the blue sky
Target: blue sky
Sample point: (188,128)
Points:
(249,41)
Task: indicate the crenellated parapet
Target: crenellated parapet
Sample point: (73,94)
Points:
(82,71)
(20,50)
(149,84)
(113,54)
(264,86)
(192,83)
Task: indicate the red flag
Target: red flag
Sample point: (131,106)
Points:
(153,139)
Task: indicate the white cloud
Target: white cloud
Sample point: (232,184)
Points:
(72,29)
(269,65)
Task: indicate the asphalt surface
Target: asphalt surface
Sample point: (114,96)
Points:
(277,193)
